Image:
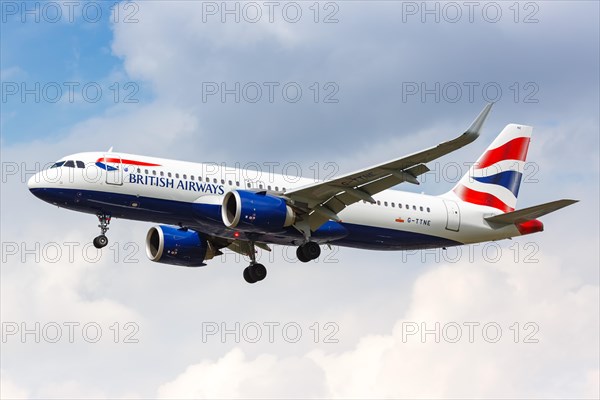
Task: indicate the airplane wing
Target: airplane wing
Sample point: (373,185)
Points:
(529,213)
(319,202)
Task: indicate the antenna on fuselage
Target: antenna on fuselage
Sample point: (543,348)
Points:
(110,150)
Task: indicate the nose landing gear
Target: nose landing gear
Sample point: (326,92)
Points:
(101,240)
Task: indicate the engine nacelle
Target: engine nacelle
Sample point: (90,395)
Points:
(170,245)
(256,212)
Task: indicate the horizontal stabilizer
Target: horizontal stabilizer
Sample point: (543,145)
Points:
(529,213)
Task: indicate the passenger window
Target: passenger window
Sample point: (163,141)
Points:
(230,183)
(428,210)
(393,205)
(385,203)
(139,171)
(146,172)
(70,164)
(184,176)
(415,208)
(260,186)
(162,173)
(407,206)
(153,172)
(237,184)
(249,184)
(177,175)
(207,179)
(214,180)
(169,174)
(378,203)
(277,188)
(192,177)
(222,181)
(420,208)
(283,189)
(269,187)
(399,205)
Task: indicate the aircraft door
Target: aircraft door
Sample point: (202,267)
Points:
(114,169)
(453,212)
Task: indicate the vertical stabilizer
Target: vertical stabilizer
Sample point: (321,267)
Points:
(495,178)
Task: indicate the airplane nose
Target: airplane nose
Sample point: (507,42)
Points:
(34,182)
(38,187)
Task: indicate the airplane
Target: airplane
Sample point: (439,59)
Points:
(203,209)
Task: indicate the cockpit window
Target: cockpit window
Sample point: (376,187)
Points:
(57,164)
(70,163)
(80,164)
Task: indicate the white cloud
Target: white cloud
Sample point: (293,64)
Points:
(468,292)
(8,389)
(403,364)
(233,376)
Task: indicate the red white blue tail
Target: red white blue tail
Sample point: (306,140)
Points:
(495,178)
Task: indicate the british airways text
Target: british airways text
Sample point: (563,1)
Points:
(176,184)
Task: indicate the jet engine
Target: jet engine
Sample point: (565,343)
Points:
(176,246)
(256,212)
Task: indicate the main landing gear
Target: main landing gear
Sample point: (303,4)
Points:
(101,240)
(308,251)
(255,272)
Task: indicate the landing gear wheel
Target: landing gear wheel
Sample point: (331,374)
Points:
(301,256)
(312,250)
(255,273)
(100,241)
(308,251)
(258,271)
(247,277)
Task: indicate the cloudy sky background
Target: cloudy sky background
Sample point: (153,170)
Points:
(370,54)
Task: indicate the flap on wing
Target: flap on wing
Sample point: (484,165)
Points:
(341,197)
(529,213)
(244,247)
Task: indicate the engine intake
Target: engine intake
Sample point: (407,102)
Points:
(256,212)
(170,245)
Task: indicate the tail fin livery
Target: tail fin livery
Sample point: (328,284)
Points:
(495,178)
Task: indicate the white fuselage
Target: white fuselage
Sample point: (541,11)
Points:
(159,190)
